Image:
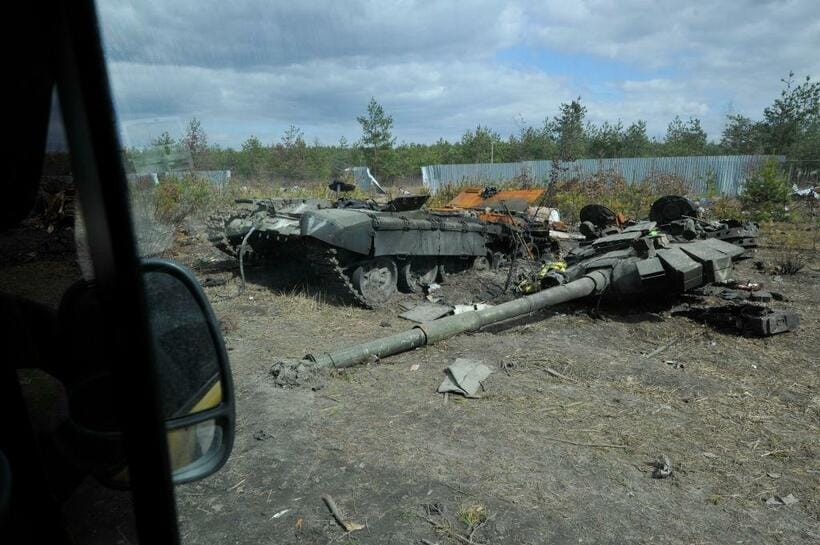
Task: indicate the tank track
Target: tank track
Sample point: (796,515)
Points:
(215,230)
(326,263)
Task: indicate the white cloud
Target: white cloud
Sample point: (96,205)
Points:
(255,66)
(428,100)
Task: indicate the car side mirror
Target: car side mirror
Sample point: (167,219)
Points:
(196,389)
(194,378)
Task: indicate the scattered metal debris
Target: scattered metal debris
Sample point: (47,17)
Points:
(777,501)
(753,320)
(465,377)
(430,288)
(426,312)
(458,309)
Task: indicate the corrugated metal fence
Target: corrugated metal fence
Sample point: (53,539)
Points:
(729,171)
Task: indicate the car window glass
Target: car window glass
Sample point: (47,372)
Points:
(341,172)
(45,268)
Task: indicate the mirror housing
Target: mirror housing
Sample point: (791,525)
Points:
(195,381)
(193,376)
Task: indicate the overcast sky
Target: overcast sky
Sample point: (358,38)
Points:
(255,67)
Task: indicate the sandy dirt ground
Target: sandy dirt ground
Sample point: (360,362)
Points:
(540,457)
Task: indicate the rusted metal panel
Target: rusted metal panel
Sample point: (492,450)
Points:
(512,199)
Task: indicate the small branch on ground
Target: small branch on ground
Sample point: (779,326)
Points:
(599,445)
(553,372)
(349,526)
(450,532)
(672,343)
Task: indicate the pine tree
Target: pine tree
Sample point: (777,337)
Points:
(377,137)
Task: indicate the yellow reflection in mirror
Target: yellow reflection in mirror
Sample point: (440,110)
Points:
(187,445)
(211,399)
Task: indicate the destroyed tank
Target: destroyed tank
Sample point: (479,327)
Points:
(638,262)
(363,252)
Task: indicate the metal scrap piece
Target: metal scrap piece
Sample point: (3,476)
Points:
(426,312)
(464,377)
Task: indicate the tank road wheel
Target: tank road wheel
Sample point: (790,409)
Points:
(375,280)
(414,273)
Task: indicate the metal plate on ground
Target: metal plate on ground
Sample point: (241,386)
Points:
(426,312)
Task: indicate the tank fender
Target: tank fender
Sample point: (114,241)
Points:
(348,229)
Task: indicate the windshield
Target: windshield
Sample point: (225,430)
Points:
(338,173)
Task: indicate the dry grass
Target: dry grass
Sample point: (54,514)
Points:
(301,299)
(792,246)
(790,262)
(471,515)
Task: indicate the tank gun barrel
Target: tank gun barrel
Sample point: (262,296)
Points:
(594,282)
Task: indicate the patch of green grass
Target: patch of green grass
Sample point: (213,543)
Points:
(472,515)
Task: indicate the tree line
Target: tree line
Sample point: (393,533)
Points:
(789,126)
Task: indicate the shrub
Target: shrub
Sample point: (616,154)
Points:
(726,208)
(791,244)
(710,183)
(665,183)
(159,210)
(179,198)
(766,194)
(789,262)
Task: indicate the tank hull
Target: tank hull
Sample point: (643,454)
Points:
(370,253)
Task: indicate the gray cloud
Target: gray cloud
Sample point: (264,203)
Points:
(254,33)
(255,67)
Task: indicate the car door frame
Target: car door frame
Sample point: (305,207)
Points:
(97,164)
